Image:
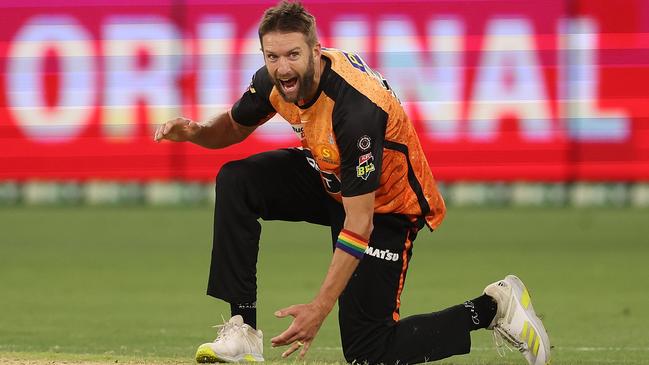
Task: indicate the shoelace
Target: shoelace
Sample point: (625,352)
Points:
(501,340)
(224,330)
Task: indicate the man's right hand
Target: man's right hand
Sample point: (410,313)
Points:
(177,130)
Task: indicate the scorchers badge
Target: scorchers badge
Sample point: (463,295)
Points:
(365,166)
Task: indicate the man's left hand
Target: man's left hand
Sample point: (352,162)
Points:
(307,321)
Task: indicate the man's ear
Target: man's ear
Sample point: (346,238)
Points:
(317,50)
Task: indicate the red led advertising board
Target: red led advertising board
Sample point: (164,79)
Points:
(498,90)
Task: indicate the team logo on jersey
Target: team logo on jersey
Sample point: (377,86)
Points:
(365,166)
(364,143)
(327,156)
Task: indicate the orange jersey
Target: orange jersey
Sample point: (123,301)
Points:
(358,136)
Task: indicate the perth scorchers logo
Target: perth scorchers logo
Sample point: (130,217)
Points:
(327,157)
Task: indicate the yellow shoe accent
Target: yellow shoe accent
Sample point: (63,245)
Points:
(525,300)
(530,340)
(205,354)
(524,333)
(518,324)
(249,358)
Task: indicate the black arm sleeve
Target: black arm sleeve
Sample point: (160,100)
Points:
(359,126)
(254,107)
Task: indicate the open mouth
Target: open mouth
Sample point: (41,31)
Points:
(289,85)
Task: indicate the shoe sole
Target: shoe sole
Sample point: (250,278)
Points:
(526,303)
(205,355)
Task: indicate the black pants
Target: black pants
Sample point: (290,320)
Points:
(281,185)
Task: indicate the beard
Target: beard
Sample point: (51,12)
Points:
(305,84)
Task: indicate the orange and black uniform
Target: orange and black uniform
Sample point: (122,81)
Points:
(358,134)
(356,139)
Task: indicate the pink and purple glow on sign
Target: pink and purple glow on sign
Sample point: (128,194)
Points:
(498,90)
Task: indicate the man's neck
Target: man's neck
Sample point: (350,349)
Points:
(317,77)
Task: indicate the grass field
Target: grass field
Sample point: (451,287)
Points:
(122,285)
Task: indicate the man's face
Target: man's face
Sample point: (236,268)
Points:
(290,63)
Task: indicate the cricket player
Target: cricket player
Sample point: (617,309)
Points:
(360,170)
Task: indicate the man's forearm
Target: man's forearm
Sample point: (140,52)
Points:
(359,213)
(340,271)
(220,131)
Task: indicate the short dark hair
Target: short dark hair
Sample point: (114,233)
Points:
(287,17)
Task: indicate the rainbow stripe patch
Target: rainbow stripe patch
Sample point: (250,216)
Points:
(351,243)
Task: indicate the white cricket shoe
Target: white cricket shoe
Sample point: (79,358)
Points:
(235,342)
(516,322)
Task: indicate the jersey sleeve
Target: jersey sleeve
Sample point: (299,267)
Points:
(359,126)
(254,107)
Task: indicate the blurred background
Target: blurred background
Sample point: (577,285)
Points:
(520,102)
(533,115)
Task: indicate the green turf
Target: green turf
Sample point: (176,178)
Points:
(119,284)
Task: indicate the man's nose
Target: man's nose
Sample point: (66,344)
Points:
(283,67)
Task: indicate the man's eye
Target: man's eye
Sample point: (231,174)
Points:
(271,57)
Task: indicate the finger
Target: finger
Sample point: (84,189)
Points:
(285,312)
(287,337)
(288,311)
(305,348)
(158,133)
(294,347)
(166,128)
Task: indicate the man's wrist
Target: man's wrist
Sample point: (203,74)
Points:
(323,305)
